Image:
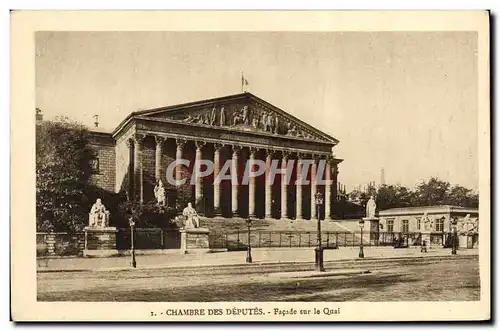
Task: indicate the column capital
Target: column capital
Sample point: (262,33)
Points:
(270,152)
(218,146)
(285,155)
(200,144)
(138,138)
(180,142)
(129,143)
(159,140)
(300,155)
(236,149)
(315,157)
(253,150)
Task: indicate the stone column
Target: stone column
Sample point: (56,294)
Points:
(178,156)
(234,181)
(130,171)
(268,185)
(138,174)
(198,188)
(159,144)
(251,184)
(217,149)
(284,185)
(314,214)
(298,202)
(328,189)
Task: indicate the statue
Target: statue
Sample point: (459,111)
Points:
(213,116)
(371,207)
(160,193)
(426,222)
(98,216)
(236,119)
(222,116)
(276,124)
(245,115)
(192,221)
(292,131)
(255,121)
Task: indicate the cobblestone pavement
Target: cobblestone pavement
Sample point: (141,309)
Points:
(174,258)
(450,278)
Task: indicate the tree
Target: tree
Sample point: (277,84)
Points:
(390,196)
(462,196)
(431,193)
(63,170)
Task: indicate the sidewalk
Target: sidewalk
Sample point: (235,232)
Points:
(260,256)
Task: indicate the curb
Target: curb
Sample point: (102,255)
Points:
(314,274)
(257,264)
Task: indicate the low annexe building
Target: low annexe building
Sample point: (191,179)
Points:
(239,128)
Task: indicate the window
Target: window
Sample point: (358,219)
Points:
(440,225)
(404,226)
(390,226)
(95,165)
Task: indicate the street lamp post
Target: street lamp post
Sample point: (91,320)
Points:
(454,237)
(249,249)
(318,261)
(361,251)
(132,247)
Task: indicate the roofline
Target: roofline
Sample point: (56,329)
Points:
(215,100)
(427,209)
(176,106)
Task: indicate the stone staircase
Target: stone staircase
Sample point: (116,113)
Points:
(280,233)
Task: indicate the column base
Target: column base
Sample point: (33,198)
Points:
(217,212)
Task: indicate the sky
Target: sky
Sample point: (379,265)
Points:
(405,102)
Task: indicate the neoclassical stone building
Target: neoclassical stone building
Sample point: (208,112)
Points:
(136,154)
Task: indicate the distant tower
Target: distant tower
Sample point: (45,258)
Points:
(382,177)
(96,118)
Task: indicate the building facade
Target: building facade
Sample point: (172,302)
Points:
(240,129)
(436,221)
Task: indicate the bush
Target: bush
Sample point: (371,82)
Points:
(147,215)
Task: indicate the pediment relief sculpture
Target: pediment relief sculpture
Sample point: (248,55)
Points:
(247,118)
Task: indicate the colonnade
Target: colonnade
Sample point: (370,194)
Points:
(234,151)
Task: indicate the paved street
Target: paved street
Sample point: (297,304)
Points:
(454,278)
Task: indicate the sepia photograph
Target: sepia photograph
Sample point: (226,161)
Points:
(225,173)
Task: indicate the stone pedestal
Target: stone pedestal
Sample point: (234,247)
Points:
(194,239)
(100,242)
(371,229)
(462,241)
(426,236)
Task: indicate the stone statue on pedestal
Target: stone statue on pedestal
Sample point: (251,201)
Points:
(371,208)
(160,193)
(192,221)
(98,216)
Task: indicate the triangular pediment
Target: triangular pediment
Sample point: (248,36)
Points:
(243,112)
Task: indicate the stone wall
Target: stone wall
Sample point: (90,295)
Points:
(59,244)
(104,146)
